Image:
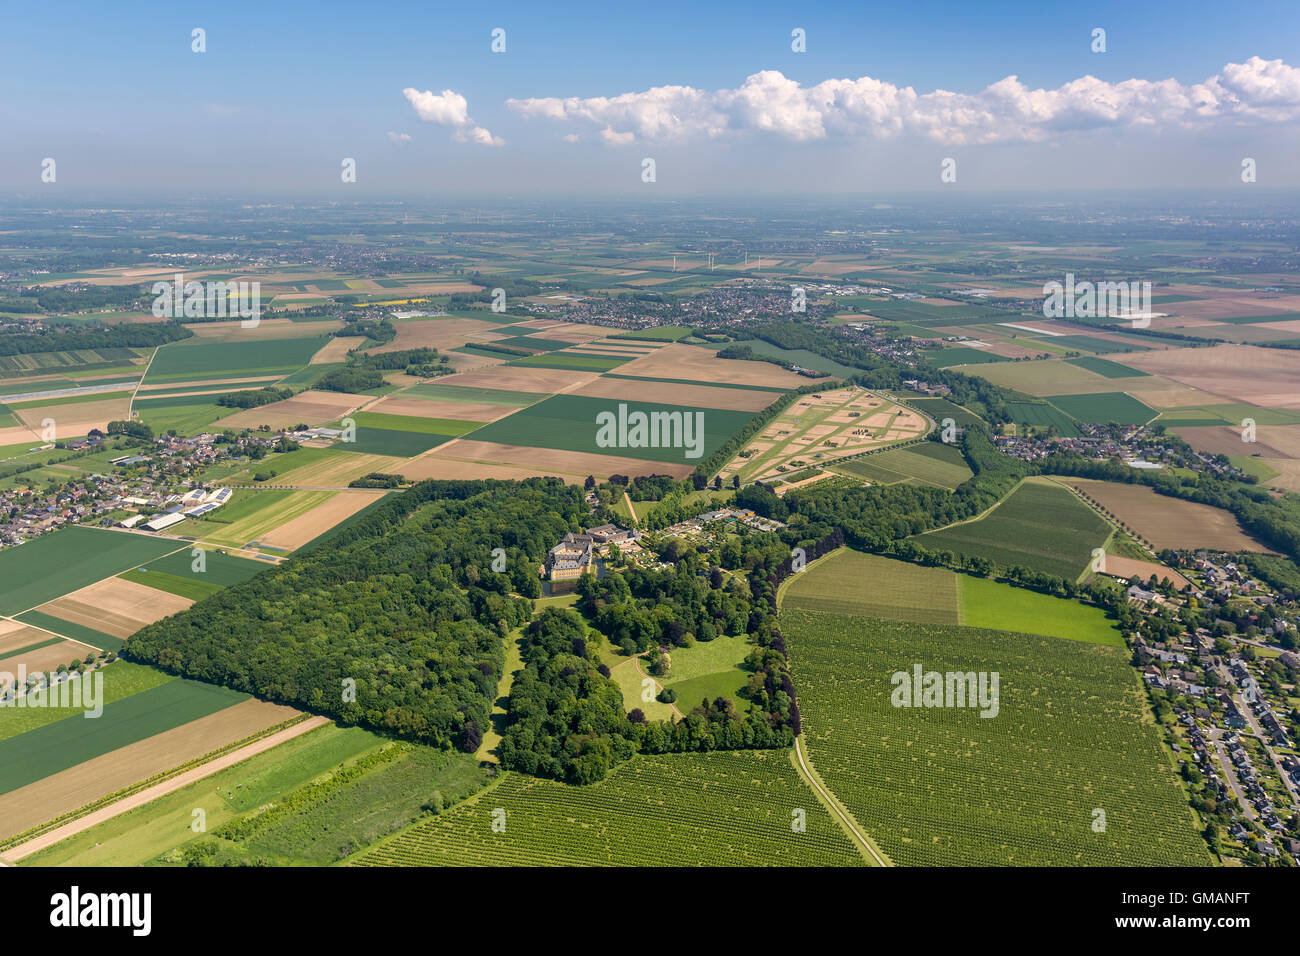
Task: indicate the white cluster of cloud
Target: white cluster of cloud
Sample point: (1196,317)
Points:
(1257,91)
(449,108)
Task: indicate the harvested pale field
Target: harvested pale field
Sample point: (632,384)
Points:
(1243,373)
(337,471)
(16,634)
(1168,522)
(170,785)
(266,329)
(572,332)
(465,362)
(1288,473)
(550,461)
(523,378)
(18,435)
(442,334)
(432,466)
(433,408)
(310,408)
(116,606)
(336,349)
(1230,303)
(698,396)
(1159,393)
(702,365)
(1226,440)
(76,418)
(75,787)
(1125,568)
(298,531)
(46,658)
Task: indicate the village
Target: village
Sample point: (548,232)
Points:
(152,486)
(1220,663)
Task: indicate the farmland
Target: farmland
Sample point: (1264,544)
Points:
(945,786)
(720,809)
(819,428)
(55,564)
(1040,526)
(1168,522)
(929,463)
(867,585)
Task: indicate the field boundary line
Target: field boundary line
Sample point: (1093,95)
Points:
(163,788)
(37,607)
(130,405)
(828,799)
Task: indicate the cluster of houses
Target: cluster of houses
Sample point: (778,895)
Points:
(140,482)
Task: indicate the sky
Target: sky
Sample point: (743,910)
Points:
(582,95)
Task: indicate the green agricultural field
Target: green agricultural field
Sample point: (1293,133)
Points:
(219,570)
(1107,368)
(1104,407)
(801,357)
(1043,415)
(711,809)
(1040,526)
(187,360)
(251,514)
(945,786)
(188,416)
(959,355)
(929,463)
(409,423)
(78,632)
(572,360)
(63,561)
(391,441)
(850,582)
(941,408)
(121,680)
(141,835)
(1086,343)
(54,747)
(989,604)
(568,422)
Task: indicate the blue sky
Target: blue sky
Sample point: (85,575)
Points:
(284,91)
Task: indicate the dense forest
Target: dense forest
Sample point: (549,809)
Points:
(86,336)
(396,623)
(254,397)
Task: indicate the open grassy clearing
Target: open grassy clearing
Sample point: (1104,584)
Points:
(255,513)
